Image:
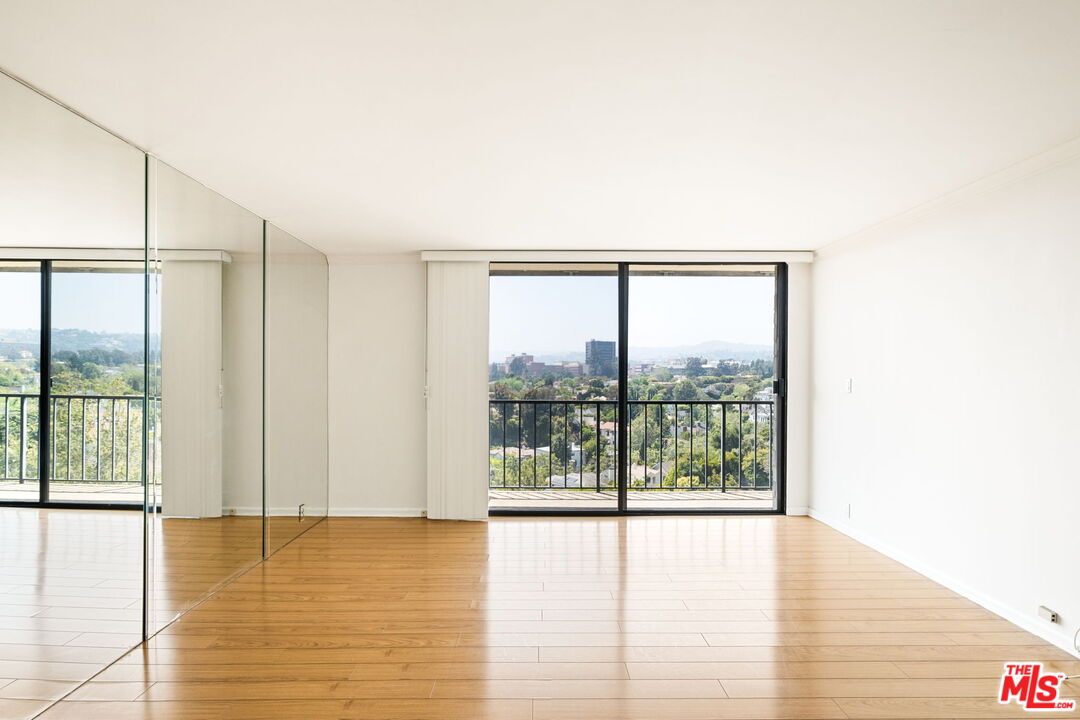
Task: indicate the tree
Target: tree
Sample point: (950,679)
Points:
(685,389)
(518,366)
(695,367)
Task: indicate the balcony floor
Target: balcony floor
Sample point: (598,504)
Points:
(642,499)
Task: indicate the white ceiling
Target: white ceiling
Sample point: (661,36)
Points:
(370,126)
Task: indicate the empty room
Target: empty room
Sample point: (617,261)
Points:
(539,359)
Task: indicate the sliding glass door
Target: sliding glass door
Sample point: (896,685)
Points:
(20,380)
(71,382)
(553,387)
(637,388)
(702,387)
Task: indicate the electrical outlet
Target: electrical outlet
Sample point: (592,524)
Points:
(850,386)
(849,511)
(1047,614)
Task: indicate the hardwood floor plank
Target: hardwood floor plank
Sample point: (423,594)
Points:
(23,689)
(762,670)
(936,707)
(824,653)
(930,669)
(286,710)
(682,709)
(21,709)
(847,687)
(287,690)
(565,688)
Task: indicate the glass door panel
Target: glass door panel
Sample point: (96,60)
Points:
(553,387)
(703,417)
(20,380)
(96,382)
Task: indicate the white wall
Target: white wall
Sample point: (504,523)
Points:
(959,328)
(798,400)
(377,416)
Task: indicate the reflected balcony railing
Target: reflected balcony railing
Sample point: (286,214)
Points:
(92,438)
(672,445)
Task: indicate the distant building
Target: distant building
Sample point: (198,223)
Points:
(568,368)
(600,358)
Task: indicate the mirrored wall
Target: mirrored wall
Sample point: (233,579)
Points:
(163,393)
(296,382)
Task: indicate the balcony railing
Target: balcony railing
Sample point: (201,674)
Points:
(92,438)
(684,445)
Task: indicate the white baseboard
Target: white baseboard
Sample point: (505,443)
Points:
(797,511)
(241,511)
(289,511)
(1032,624)
(378,512)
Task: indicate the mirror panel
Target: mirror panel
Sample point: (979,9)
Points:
(71,507)
(139,311)
(64,182)
(206,305)
(296,386)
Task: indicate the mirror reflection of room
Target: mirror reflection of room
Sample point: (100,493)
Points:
(71,399)
(206,334)
(144,462)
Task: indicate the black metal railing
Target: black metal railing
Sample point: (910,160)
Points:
(92,438)
(671,445)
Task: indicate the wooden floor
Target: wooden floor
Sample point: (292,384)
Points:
(71,590)
(564,618)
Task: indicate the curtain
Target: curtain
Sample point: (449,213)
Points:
(457,390)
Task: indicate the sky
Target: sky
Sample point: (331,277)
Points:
(550,314)
(102,302)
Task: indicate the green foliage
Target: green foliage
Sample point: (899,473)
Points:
(685,389)
(695,367)
(518,366)
(660,438)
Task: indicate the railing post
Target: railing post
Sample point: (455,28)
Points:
(598,446)
(97,439)
(82,441)
(756,430)
(6,438)
(127,440)
(22,440)
(693,473)
(67,442)
(112,442)
(723,447)
(708,412)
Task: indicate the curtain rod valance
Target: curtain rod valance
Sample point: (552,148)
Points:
(611,256)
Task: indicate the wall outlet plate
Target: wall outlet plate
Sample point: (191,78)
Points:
(1047,614)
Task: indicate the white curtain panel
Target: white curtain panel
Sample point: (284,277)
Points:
(191,377)
(457,390)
